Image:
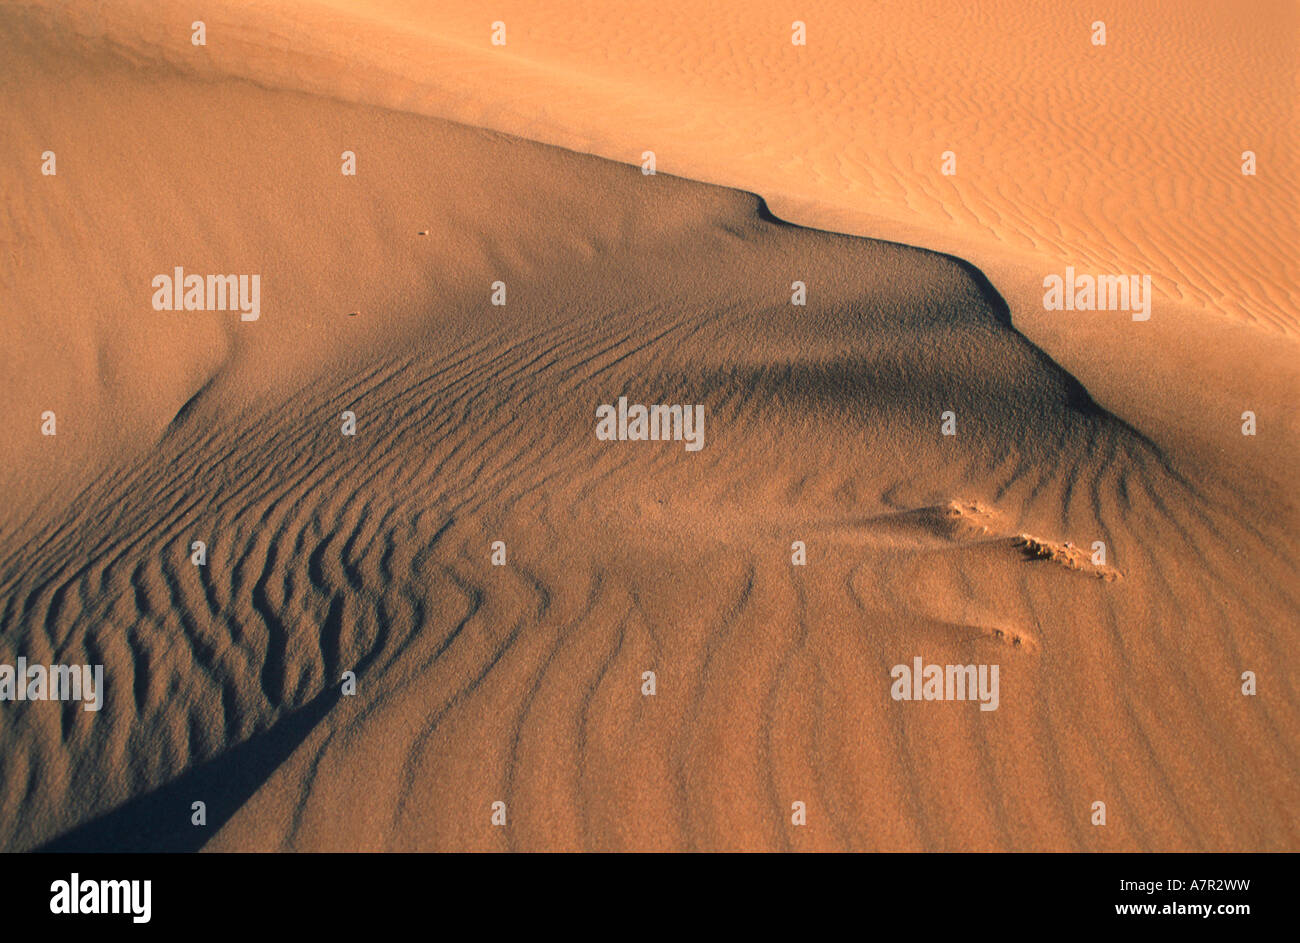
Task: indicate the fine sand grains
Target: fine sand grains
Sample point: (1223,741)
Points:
(474,422)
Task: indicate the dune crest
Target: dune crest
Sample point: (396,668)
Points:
(1060,181)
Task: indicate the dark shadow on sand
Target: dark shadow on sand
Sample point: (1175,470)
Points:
(161,820)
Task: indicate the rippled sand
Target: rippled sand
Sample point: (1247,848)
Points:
(1120,681)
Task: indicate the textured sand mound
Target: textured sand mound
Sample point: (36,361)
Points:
(475,423)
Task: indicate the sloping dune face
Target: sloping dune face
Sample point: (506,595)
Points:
(525,683)
(1106,136)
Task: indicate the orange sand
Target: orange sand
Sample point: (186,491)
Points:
(476,683)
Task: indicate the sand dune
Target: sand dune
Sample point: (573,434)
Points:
(1124,157)
(522,683)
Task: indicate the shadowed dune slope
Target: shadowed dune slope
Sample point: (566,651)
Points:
(475,423)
